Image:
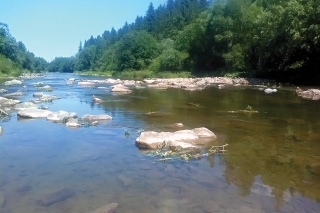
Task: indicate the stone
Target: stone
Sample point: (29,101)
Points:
(91,118)
(125,180)
(86,83)
(72,122)
(57,196)
(120,89)
(12,82)
(61,116)
(314,168)
(13,94)
(109,208)
(8,102)
(178,146)
(33,113)
(25,105)
(1,130)
(156,140)
(269,90)
(203,132)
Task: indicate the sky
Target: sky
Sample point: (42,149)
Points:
(54,28)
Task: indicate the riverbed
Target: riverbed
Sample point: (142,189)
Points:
(272,162)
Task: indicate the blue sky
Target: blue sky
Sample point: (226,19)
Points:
(53,28)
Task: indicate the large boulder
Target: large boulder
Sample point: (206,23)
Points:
(25,105)
(313,94)
(12,82)
(156,140)
(8,102)
(120,88)
(61,116)
(33,113)
(91,118)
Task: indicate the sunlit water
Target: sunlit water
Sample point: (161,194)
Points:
(266,168)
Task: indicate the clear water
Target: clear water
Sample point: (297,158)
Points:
(265,169)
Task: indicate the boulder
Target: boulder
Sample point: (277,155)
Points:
(86,83)
(13,82)
(57,196)
(156,140)
(3,90)
(13,94)
(33,113)
(178,146)
(61,116)
(109,208)
(48,98)
(72,122)
(91,118)
(8,102)
(313,94)
(25,105)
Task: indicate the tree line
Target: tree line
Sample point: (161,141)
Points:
(14,56)
(254,38)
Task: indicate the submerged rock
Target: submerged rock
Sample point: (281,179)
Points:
(156,140)
(109,208)
(33,113)
(314,168)
(2,200)
(61,116)
(57,196)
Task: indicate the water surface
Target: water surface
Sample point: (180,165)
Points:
(266,169)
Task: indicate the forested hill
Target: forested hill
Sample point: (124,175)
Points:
(256,38)
(14,56)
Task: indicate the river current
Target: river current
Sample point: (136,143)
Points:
(272,163)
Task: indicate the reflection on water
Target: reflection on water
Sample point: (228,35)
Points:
(272,163)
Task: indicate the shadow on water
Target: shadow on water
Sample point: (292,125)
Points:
(272,163)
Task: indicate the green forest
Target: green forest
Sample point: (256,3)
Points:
(272,39)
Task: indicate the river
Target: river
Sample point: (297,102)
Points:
(272,162)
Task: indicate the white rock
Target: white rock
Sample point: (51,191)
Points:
(12,82)
(91,118)
(72,122)
(33,113)
(25,105)
(60,116)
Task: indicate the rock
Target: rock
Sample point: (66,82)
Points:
(38,94)
(61,116)
(8,102)
(203,132)
(149,81)
(119,88)
(91,118)
(48,98)
(313,94)
(269,90)
(33,113)
(125,180)
(96,100)
(314,168)
(156,140)
(178,146)
(109,208)
(3,90)
(2,200)
(46,88)
(12,82)
(13,94)
(25,105)
(86,83)
(57,196)
(1,130)
(72,122)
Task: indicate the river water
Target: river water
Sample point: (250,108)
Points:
(272,162)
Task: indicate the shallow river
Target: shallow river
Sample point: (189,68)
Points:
(272,162)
